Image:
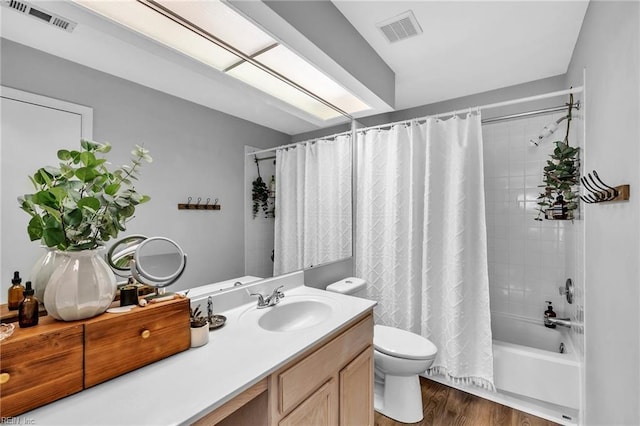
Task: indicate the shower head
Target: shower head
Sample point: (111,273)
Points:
(548,130)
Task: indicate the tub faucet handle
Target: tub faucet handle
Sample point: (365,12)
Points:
(565,322)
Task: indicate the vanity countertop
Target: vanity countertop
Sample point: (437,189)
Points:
(184,387)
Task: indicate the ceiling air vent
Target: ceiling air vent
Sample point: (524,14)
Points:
(40,13)
(400,27)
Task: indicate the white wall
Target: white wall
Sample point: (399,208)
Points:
(609,48)
(197,152)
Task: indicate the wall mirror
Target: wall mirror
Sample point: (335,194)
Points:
(313,207)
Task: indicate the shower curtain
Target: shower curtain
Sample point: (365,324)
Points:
(313,204)
(421,238)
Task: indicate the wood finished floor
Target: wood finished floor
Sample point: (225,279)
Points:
(445,406)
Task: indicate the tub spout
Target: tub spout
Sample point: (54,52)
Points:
(565,322)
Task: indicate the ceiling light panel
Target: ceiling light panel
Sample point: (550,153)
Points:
(223,22)
(152,24)
(295,68)
(273,86)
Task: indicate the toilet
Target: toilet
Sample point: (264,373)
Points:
(399,357)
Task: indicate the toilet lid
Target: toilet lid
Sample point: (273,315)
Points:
(402,344)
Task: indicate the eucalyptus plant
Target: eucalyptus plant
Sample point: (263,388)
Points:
(260,197)
(81,203)
(561,176)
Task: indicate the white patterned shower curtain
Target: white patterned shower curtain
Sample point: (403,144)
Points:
(421,238)
(313,204)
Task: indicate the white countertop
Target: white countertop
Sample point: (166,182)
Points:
(184,387)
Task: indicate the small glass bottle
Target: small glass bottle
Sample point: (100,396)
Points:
(28,314)
(15,292)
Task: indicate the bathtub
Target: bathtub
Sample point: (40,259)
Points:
(527,361)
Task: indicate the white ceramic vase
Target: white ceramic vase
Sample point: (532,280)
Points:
(81,286)
(199,336)
(41,272)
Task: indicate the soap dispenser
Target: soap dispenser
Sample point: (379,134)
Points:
(15,292)
(28,314)
(549,314)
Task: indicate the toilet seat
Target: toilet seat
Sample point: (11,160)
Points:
(402,344)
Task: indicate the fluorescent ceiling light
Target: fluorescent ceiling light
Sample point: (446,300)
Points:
(296,69)
(195,27)
(264,81)
(220,20)
(140,18)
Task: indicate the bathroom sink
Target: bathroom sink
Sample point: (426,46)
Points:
(296,315)
(291,314)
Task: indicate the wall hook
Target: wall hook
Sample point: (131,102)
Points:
(600,192)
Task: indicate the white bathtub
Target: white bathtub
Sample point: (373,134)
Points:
(527,361)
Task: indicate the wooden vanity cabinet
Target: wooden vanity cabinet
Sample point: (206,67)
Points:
(329,384)
(332,383)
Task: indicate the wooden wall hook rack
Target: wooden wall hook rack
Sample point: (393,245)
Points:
(596,191)
(198,205)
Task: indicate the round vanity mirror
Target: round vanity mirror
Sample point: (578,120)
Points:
(158,261)
(121,254)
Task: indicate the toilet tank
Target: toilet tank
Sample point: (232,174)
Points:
(352,286)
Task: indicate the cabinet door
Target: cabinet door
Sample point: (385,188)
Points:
(356,390)
(320,409)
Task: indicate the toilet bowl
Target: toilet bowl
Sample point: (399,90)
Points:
(399,356)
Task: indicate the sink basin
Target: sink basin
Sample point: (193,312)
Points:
(295,315)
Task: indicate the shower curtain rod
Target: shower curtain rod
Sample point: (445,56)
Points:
(576,105)
(348,132)
(483,107)
(577,89)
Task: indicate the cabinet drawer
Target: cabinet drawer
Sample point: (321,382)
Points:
(40,365)
(298,382)
(118,343)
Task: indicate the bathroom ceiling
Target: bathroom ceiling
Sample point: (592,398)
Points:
(470,47)
(465,48)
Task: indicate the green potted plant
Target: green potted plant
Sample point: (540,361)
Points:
(76,207)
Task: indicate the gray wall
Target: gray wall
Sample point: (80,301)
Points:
(197,152)
(609,49)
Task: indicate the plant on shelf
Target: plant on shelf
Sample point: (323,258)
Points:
(81,203)
(559,198)
(196,318)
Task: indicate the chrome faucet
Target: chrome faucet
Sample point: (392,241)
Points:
(271,300)
(565,322)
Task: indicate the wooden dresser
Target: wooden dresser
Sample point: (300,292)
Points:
(54,359)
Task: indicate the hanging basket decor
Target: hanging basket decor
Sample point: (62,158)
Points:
(260,195)
(559,199)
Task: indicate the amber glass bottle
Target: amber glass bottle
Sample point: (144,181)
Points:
(15,292)
(28,310)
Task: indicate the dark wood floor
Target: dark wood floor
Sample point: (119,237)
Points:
(446,406)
